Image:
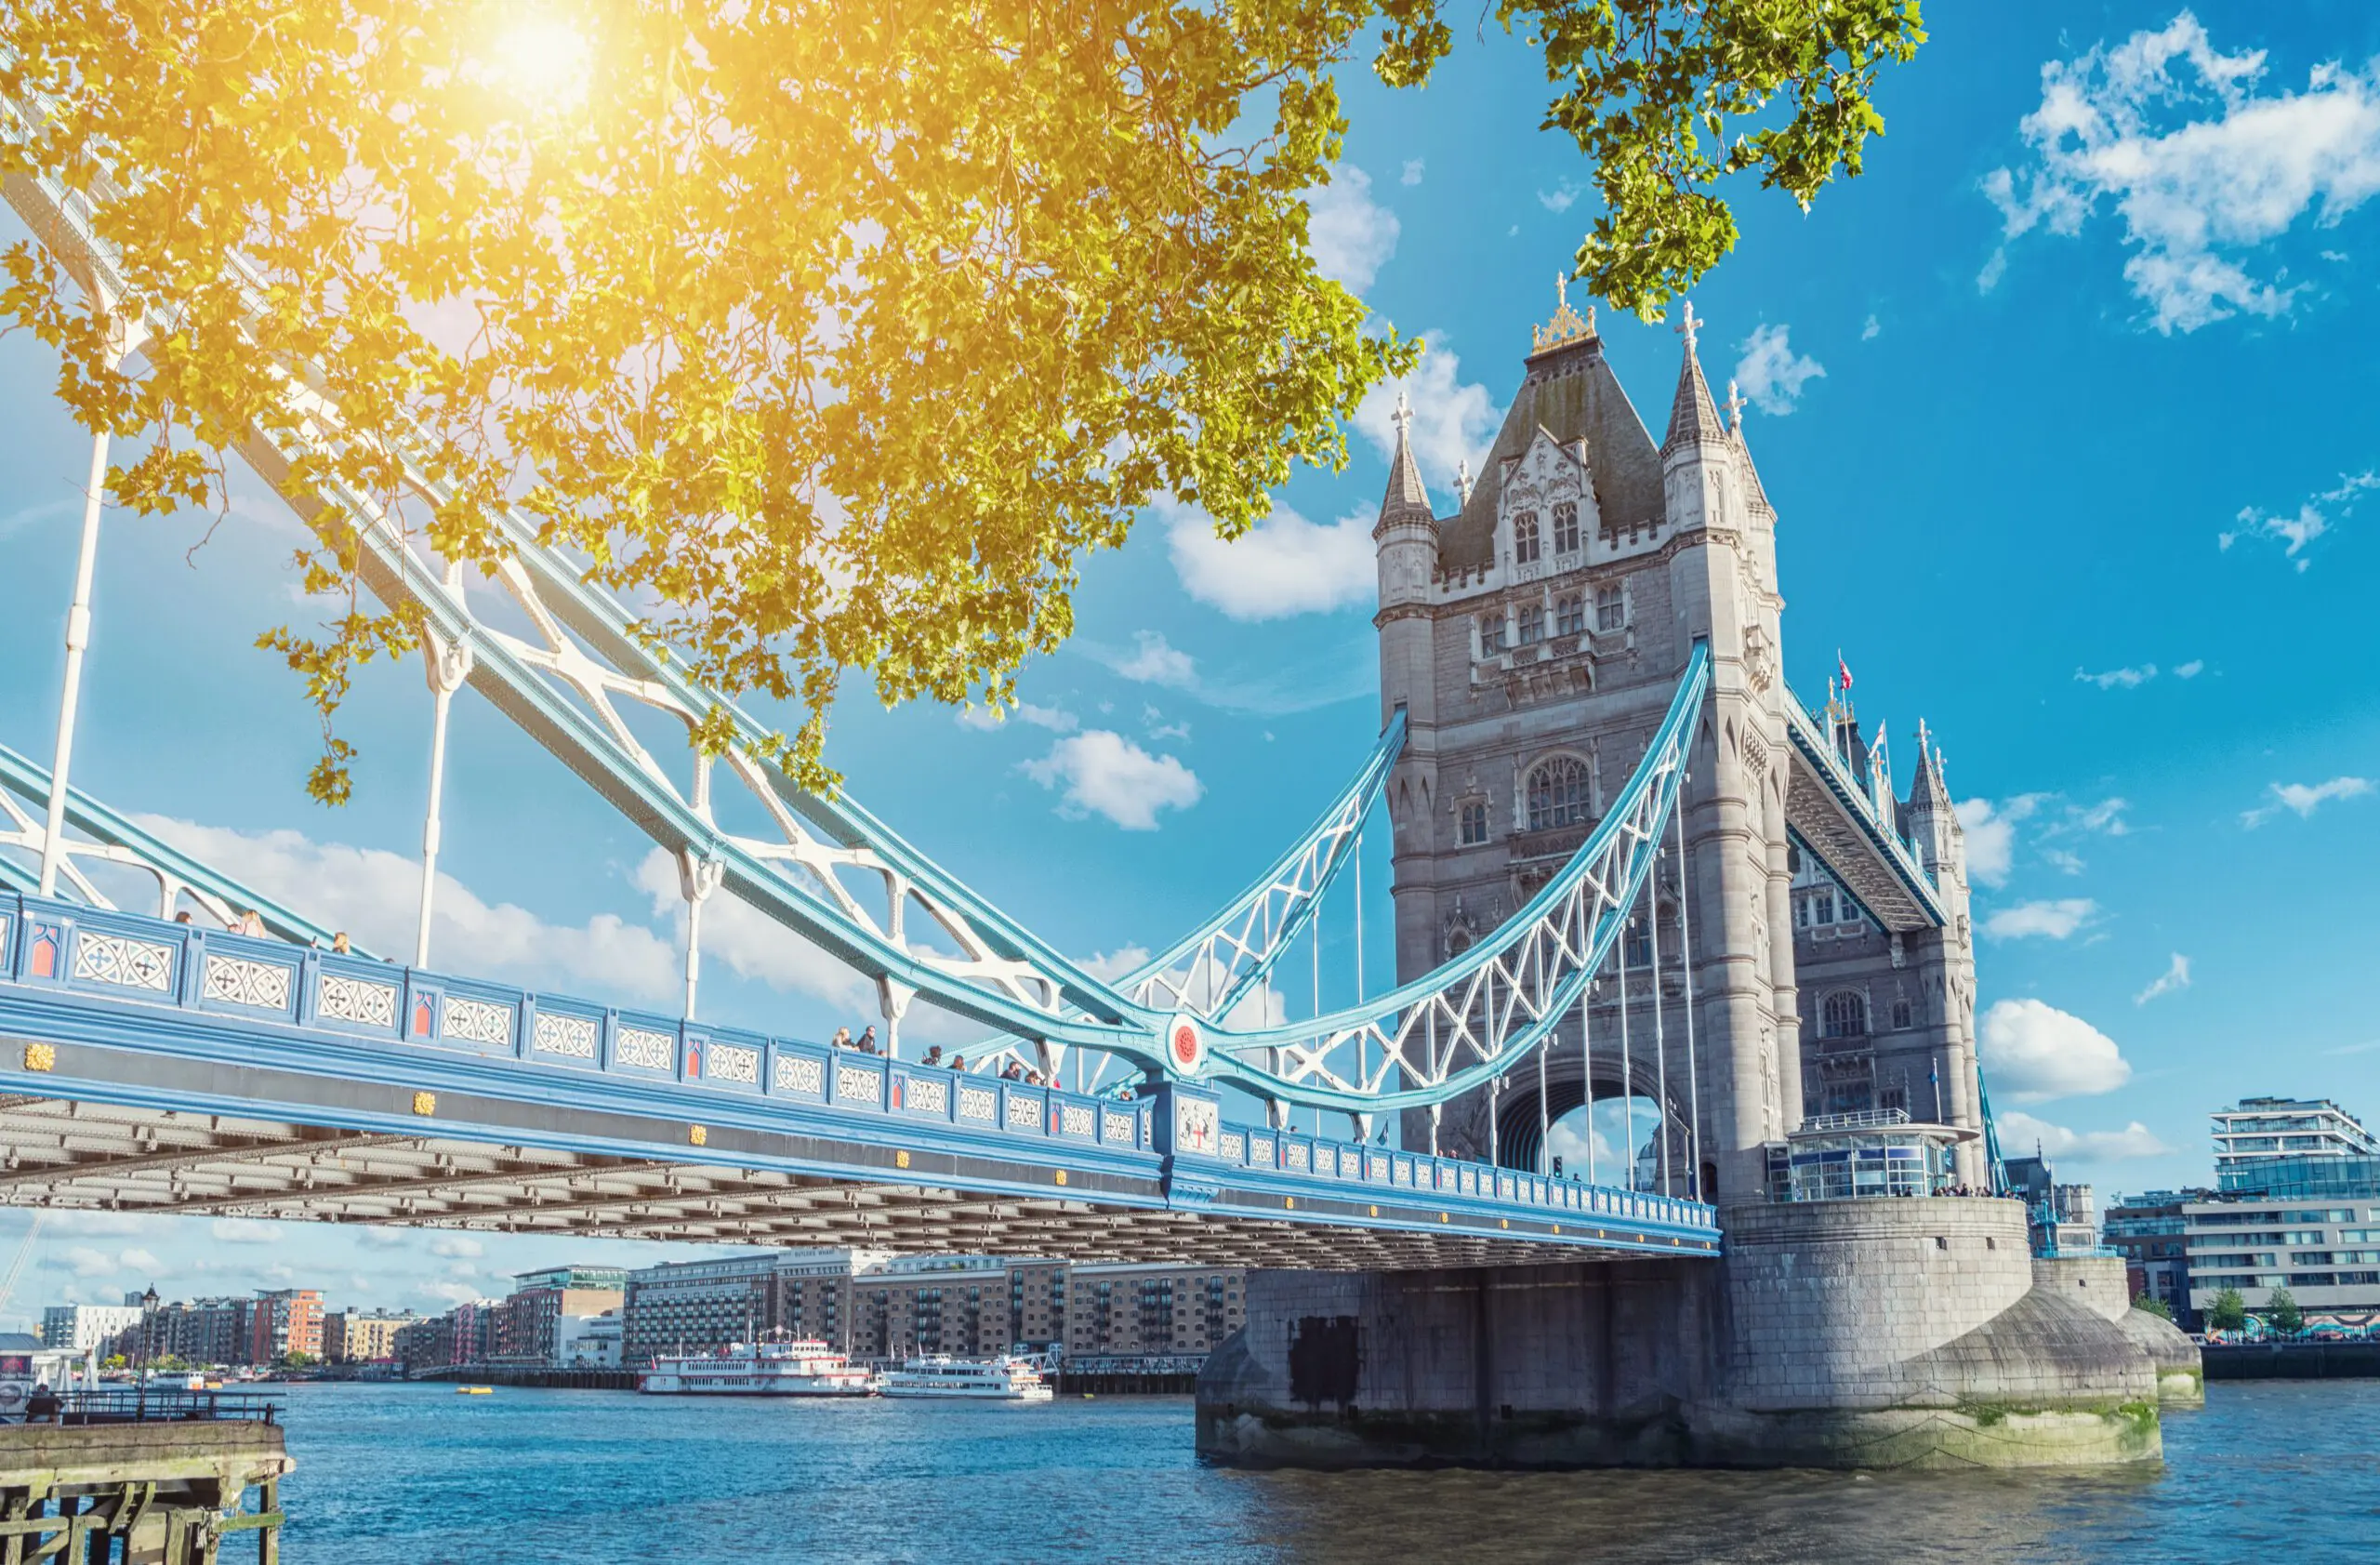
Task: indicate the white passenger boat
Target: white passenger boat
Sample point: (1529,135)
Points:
(767,1368)
(1003,1379)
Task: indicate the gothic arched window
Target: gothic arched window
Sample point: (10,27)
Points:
(1611,607)
(1566,527)
(1845,1015)
(1901,1016)
(1525,539)
(1557,794)
(1532,623)
(1491,633)
(1569,615)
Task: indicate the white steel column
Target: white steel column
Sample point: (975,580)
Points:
(1686,961)
(448,664)
(697,878)
(1627,1063)
(1660,1042)
(1587,1068)
(78,636)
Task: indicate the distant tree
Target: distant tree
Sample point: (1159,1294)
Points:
(834,335)
(2281,1313)
(113,1362)
(2155,1307)
(2228,1312)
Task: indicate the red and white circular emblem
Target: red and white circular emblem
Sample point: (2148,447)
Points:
(1185,1044)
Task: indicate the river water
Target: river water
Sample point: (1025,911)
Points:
(2271,1472)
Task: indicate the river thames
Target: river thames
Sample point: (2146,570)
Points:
(2270,1471)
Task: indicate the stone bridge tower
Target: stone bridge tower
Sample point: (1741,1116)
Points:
(1534,639)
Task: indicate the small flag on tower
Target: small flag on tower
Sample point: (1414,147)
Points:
(1844,669)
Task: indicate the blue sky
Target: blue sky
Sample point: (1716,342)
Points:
(2058,406)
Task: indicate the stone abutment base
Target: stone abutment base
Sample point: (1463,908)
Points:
(1877,1333)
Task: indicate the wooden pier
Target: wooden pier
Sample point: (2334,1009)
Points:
(166,1484)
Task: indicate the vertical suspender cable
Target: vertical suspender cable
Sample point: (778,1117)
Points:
(70,695)
(1627,1063)
(1587,1068)
(1544,1116)
(1686,959)
(1363,1037)
(1660,1041)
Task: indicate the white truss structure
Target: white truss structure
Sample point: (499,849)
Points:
(109,839)
(829,871)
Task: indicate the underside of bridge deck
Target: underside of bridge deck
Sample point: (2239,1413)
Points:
(65,1154)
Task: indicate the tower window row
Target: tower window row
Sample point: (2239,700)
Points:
(1528,624)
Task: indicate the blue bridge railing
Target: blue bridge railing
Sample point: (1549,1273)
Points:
(310,996)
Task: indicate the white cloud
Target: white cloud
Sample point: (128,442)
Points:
(1153,661)
(451,1293)
(2056,919)
(1559,198)
(136,1259)
(2065,863)
(2176,976)
(456,1246)
(1992,839)
(2119,679)
(2033,1051)
(2105,818)
(1771,374)
(1454,421)
(2190,669)
(1871,330)
(1023,711)
(1413,175)
(83,1261)
(1109,966)
(244,1230)
(375,896)
(2305,798)
(753,945)
(2200,166)
(1284,566)
(2314,518)
(1106,774)
(1350,235)
(2020,1132)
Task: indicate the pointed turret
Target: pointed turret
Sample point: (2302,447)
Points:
(1405,539)
(1755,497)
(1406,495)
(1693,417)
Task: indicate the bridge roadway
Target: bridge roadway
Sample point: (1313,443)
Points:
(154,1067)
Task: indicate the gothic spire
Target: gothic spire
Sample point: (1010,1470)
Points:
(1406,492)
(1926,789)
(1693,417)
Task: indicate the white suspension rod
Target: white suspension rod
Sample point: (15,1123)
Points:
(1627,1062)
(70,695)
(1685,962)
(1660,1042)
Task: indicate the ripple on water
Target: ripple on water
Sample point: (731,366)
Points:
(2271,1471)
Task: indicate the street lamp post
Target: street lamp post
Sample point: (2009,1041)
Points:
(140,1372)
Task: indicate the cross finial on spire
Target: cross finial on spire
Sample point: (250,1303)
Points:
(1404,415)
(1462,480)
(1562,290)
(1735,408)
(1688,325)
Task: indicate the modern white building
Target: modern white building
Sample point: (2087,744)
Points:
(588,1342)
(2300,1210)
(80,1327)
(2260,1130)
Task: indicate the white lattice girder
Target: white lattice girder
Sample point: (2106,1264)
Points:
(561,688)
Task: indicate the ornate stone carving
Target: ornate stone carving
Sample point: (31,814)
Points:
(122,961)
(238,981)
(571,1037)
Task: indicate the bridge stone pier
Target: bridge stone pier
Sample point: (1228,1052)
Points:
(1802,950)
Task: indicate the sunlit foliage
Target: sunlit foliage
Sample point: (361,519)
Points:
(832,336)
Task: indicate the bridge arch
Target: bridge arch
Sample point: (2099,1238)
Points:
(1520,1126)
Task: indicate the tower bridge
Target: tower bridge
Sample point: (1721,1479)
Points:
(1614,832)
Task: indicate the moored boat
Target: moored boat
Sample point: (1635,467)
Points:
(1003,1379)
(766,1369)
